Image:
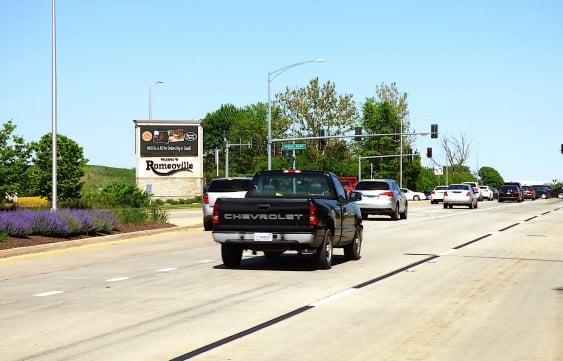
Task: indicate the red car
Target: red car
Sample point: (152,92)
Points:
(529,192)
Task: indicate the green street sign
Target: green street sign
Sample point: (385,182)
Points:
(294,146)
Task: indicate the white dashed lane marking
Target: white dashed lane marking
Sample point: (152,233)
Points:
(45,294)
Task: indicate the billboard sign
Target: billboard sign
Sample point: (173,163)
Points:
(168,141)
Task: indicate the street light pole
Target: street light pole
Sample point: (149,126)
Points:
(150,96)
(271,76)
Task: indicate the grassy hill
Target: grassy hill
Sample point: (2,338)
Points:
(97,177)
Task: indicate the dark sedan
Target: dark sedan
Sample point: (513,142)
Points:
(557,192)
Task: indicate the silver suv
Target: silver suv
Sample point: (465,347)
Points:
(232,187)
(476,190)
(381,197)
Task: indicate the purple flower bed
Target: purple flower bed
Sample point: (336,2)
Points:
(60,223)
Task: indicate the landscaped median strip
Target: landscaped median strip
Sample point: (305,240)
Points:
(44,250)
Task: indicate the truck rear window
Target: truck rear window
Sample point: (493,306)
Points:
(291,185)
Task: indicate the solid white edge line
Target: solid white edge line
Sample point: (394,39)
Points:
(332,297)
(50,293)
(117,279)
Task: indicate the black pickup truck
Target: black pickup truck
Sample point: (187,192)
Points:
(307,211)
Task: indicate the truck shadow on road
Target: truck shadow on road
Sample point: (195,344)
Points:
(285,262)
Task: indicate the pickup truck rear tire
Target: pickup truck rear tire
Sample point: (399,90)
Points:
(231,255)
(323,256)
(352,251)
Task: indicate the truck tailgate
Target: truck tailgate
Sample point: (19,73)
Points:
(263,214)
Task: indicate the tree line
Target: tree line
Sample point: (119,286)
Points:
(328,120)
(317,111)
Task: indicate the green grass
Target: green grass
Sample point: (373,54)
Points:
(97,177)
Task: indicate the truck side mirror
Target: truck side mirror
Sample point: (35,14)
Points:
(355,196)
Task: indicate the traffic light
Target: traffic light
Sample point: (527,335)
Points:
(395,131)
(561,148)
(434,131)
(358,132)
(409,155)
(428,152)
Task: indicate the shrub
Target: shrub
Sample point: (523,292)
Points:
(60,223)
(120,194)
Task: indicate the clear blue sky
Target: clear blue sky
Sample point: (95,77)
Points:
(489,69)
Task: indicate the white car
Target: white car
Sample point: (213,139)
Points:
(412,195)
(232,187)
(476,189)
(460,195)
(487,193)
(437,194)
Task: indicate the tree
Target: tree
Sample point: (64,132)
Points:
(490,176)
(380,118)
(305,112)
(70,167)
(233,125)
(457,151)
(15,157)
(390,94)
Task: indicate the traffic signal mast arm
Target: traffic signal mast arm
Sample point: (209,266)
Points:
(347,136)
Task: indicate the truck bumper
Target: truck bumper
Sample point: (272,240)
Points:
(277,238)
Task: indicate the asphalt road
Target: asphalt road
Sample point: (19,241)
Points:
(445,284)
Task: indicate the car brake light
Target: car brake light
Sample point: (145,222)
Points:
(205,198)
(216,213)
(313,219)
(388,194)
(468,194)
(445,193)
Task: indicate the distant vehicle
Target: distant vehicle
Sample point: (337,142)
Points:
(437,194)
(510,192)
(382,197)
(460,195)
(476,189)
(349,183)
(230,187)
(542,191)
(557,192)
(529,192)
(487,193)
(412,195)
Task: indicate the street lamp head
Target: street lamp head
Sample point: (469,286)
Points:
(320,60)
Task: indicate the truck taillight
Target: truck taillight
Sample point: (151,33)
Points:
(205,198)
(216,214)
(313,219)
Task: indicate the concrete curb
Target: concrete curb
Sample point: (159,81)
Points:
(19,251)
